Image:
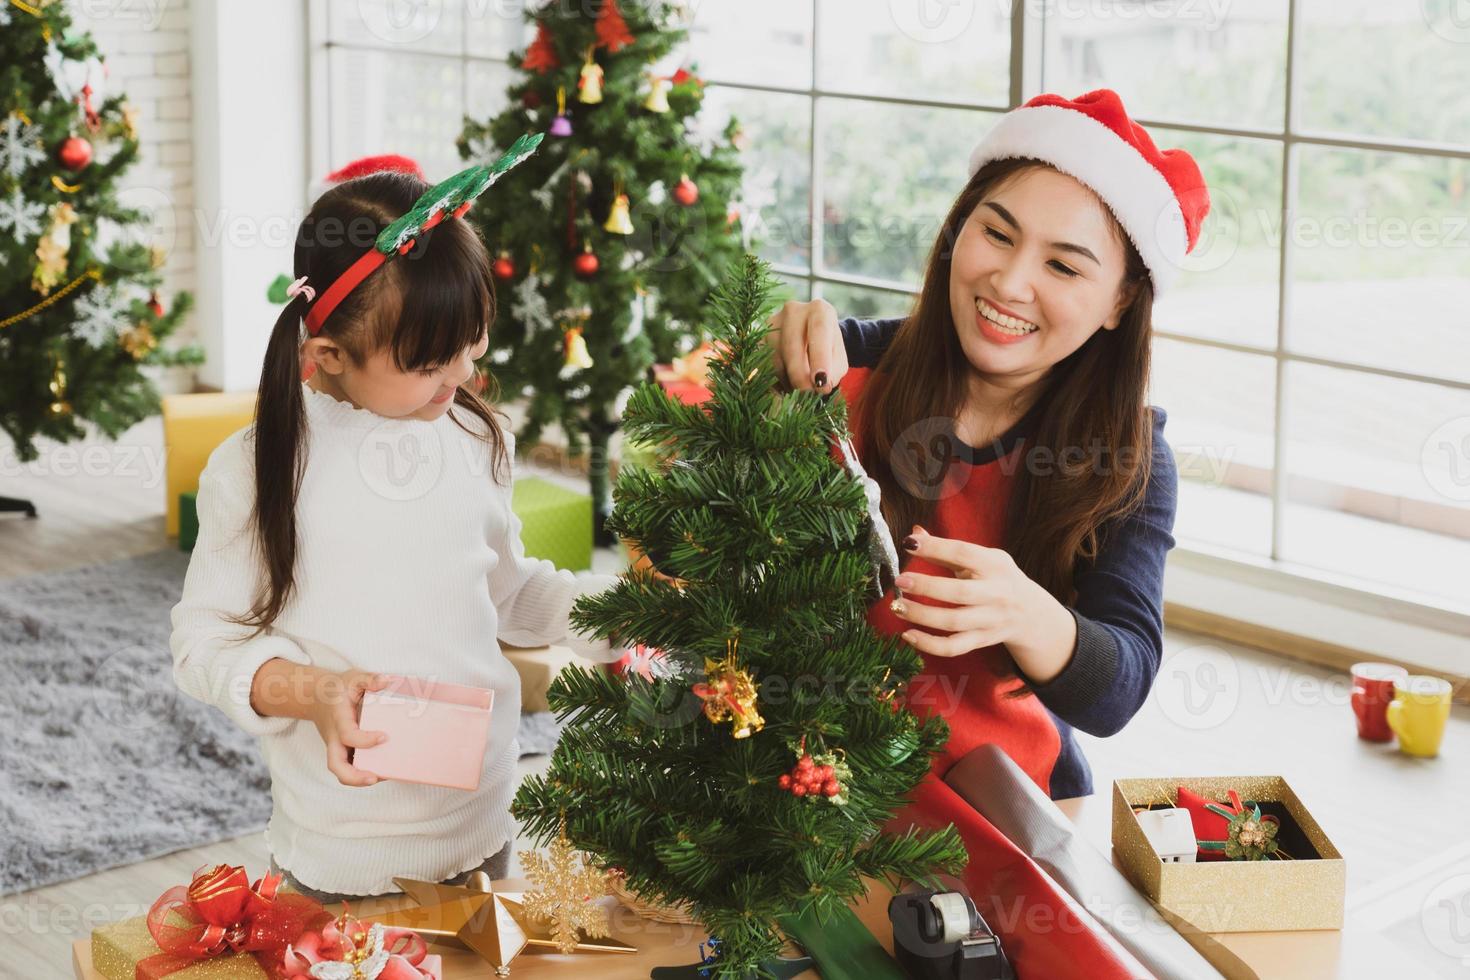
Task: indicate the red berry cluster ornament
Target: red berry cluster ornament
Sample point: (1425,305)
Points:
(823,775)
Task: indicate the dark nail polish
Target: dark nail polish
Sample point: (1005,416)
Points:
(910,543)
(821,379)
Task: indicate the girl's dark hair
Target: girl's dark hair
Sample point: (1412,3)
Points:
(1095,399)
(425,307)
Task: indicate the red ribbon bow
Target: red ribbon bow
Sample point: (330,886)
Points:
(221,913)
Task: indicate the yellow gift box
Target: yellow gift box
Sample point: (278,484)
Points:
(193,425)
(117,949)
(1303,892)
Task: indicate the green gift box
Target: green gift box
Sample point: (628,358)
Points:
(188,520)
(556,522)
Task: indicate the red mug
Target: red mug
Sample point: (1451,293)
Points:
(1372,692)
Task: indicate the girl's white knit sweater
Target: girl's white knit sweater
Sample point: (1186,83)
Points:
(409,561)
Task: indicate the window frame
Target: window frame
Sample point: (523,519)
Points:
(1273,572)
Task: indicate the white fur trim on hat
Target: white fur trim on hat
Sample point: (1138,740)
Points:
(1081,147)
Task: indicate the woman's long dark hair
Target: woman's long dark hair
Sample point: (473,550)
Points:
(1094,399)
(425,307)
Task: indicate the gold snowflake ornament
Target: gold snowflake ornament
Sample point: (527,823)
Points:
(565,890)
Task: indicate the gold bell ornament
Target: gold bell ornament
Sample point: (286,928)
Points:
(578,358)
(618,221)
(729,693)
(658,94)
(589,85)
(59,404)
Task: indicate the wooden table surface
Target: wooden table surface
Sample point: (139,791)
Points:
(1352,952)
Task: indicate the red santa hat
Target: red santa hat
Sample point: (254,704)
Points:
(364,166)
(1158,196)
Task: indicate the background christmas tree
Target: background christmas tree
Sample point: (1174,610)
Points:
(610,239)
(751,805)
(80,315)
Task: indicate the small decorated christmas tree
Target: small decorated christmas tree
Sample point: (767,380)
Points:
(748,776)
(79,318)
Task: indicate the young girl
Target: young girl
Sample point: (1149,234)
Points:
(362,526)
(1006,421)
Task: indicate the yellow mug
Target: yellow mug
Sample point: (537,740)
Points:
(1418,713)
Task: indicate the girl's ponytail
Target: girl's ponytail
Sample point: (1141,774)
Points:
(280,424)
(452,293)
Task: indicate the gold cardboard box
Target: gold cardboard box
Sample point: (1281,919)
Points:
(119,947)
(1305,892)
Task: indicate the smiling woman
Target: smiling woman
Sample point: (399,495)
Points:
(1006,422)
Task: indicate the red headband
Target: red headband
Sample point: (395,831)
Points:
(452,197)
(366,265)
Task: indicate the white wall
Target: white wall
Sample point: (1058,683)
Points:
(250,109)
(145,46)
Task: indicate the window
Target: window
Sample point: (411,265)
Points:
(1331,348)
(1314,357)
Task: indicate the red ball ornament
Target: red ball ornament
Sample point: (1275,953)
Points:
(503,268)
(830,788)
(804,763)
(784,782)
(799,789)
(75,153)
(686,191)
(585,266)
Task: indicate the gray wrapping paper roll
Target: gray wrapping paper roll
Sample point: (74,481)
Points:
(990,782)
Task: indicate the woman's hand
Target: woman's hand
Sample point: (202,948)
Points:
(337,704)
(807,344)
(995,602)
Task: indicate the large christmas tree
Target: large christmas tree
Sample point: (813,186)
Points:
(80,315)
(610,239)
(748,775)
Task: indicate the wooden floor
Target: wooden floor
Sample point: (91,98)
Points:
(1216,709)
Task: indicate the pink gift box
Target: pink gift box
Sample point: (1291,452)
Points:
(436,732)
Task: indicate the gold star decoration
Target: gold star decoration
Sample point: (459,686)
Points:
(564,889)
(469,916)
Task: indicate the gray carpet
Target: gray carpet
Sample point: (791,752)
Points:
(102,761)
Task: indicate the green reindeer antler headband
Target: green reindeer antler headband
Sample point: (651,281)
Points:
(451,197)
